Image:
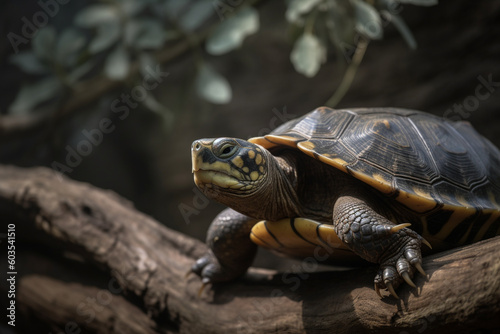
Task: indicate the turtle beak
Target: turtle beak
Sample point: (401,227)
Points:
(197,148)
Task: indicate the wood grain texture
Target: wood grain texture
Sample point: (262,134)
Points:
(83,248)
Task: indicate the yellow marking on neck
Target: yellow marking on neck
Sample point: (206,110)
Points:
(246,170)
(254,175)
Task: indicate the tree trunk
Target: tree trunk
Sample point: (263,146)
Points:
(97,265)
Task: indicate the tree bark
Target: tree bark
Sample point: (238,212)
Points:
(87,261)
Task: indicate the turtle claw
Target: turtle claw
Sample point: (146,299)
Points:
(427,243)
(391,290)
(396,228)
(418,265)
(377,290)
(204,282)
(408,280)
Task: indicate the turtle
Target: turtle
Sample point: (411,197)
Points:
(349,186)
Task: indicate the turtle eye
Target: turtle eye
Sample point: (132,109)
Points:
(227,150)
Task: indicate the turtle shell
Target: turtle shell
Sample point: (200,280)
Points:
(437,168)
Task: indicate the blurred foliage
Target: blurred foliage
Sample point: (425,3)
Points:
(109,37)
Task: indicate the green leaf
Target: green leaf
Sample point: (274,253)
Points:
(173,8)
(420,2)
(340,23)
(29,63)
(145,34)
(197,14)
(117,64)
(96,15)
(44,42)
(230,34)
(146,61)
(368,21)
(212,87)
(403,29)
(133,7)
(297,8)
(307,55)
(31,95)
(80,71)
(107,35)
(69,43)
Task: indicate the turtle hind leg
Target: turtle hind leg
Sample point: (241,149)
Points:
(230,252)
(376,239)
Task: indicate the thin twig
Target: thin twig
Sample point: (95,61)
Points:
(349,74)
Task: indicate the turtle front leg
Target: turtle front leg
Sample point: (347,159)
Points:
(230,252)
(376,239)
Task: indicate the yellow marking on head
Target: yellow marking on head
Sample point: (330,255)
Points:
(254,175)
(215,166)
(207,178)
(251,154)
(238,162)
(258,159)
(246,170)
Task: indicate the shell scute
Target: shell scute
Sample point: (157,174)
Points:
(425,161)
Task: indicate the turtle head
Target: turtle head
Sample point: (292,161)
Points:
(228,165)
(237,173)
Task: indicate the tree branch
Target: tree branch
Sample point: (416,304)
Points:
(65,219)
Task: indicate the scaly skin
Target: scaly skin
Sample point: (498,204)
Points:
(231,251)
(376,239)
